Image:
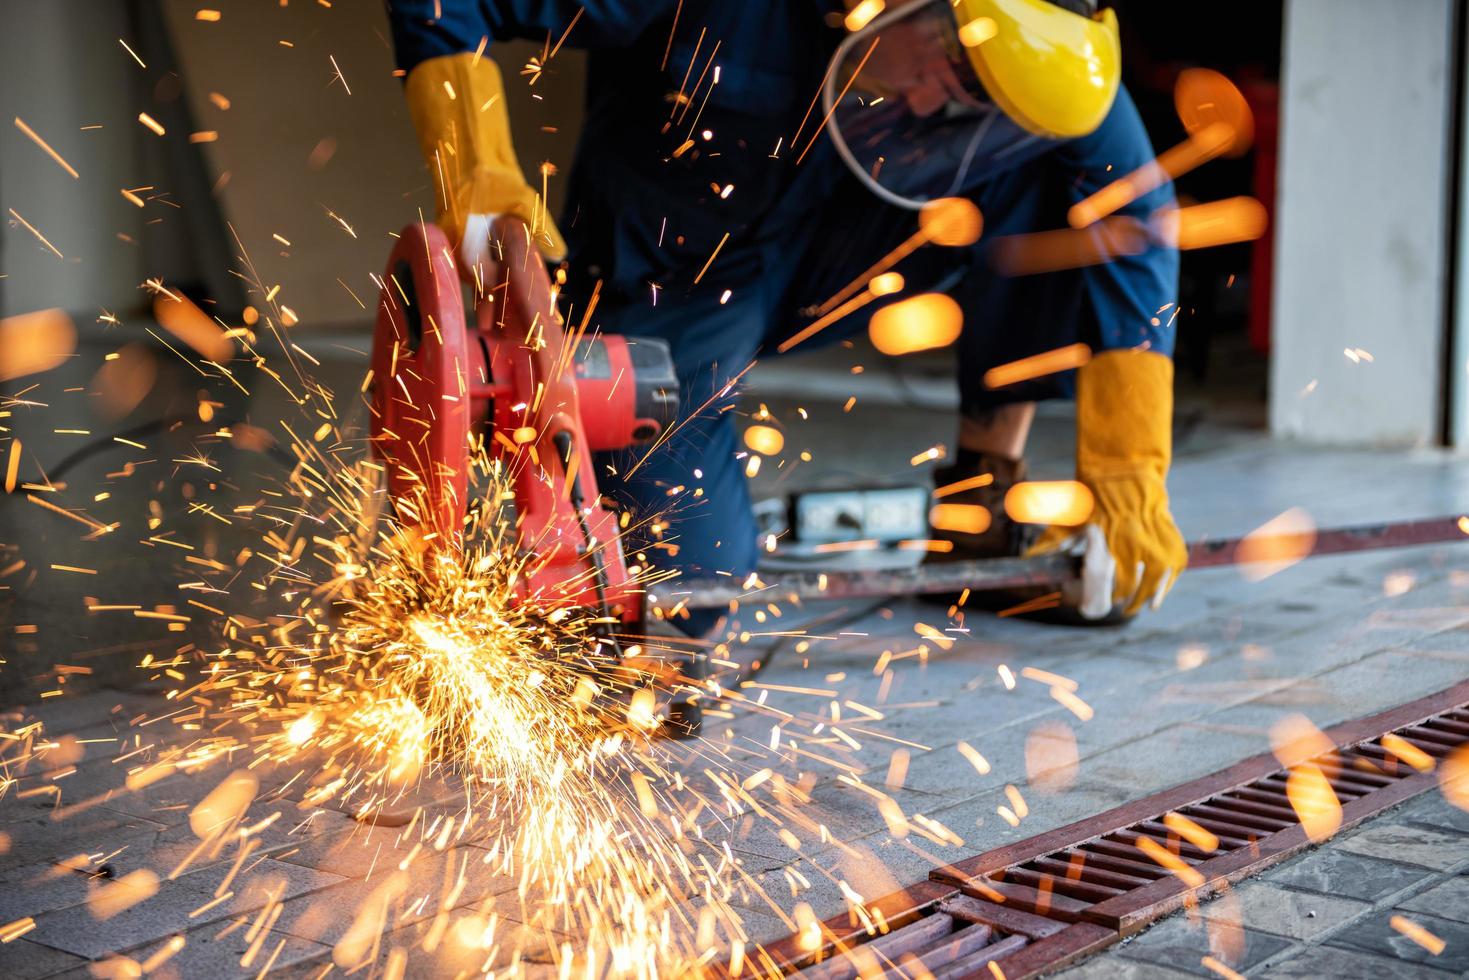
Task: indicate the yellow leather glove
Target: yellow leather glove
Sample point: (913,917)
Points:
(1124,444)
(458,107)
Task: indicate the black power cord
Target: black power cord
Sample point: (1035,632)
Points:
(147,429)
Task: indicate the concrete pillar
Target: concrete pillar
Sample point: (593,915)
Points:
(1362,222)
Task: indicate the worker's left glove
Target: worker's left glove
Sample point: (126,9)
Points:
(1131,550)
(458,107)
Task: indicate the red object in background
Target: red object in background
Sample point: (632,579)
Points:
(433,381)
(1264,101)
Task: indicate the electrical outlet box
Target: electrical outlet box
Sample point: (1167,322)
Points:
(883,514)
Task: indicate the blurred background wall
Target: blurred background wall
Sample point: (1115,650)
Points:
(60,71)
(285,127)
(279,119)
(296,146)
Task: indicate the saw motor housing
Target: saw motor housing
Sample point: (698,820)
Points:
(542,399)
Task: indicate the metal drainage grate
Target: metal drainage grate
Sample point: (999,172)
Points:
(1039,904)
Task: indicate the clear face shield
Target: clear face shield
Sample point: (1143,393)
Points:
(908,111)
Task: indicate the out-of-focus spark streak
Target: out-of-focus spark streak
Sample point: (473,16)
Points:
(765,439)
(130,51)
(947,221)
(1068,248)
(968,483)
(32,343)
(1276,545)
(12,465)
(566,33)
(338,76)
(861,14)
(924,322)
(681,98)
(1200,837)
(1066,503)
(821,127)
(79,518)
(1201,147)
(672,429)
(348,229)
(1166,859)
(1072,703)
(1065,358)
(1219,967)
(712,255)
(12,931)
(36,139)
(979,762)
(1047,678)
(820,324)
(1408,752)
(960,518)
(1314,801)
(1434,944)
(32,229)
(709,63)
(977,31)
(1234,219)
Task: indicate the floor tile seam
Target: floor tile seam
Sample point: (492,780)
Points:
(1058,711)
(165,881)
(263,851)
(153,825)
(1300,679)
(1376,605)
(1300,945)
(200,923)
(1430,825)
(1081,757)
(1447,656)
(1432,879)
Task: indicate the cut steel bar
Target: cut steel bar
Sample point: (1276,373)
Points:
(978,576)
(1342,540)
(1046,571)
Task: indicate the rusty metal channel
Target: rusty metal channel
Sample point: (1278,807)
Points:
(1034,906)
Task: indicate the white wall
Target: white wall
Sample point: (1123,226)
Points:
(1361,222)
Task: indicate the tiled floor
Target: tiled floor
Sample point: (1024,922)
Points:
(1177,694)
(1330,912)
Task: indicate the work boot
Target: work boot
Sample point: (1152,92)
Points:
(963,482)
(1003,538)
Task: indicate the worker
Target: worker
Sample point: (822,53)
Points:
(718,202)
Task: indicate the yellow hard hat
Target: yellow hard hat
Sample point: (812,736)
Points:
(933,96)
(1054,71)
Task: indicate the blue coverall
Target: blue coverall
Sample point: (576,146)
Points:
(637,215)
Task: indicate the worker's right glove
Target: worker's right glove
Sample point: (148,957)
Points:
(458,107)
(1132,549)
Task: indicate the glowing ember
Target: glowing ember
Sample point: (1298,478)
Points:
(1061,502)
(917,323)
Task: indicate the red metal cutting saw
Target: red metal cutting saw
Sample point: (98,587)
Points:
(542,399)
